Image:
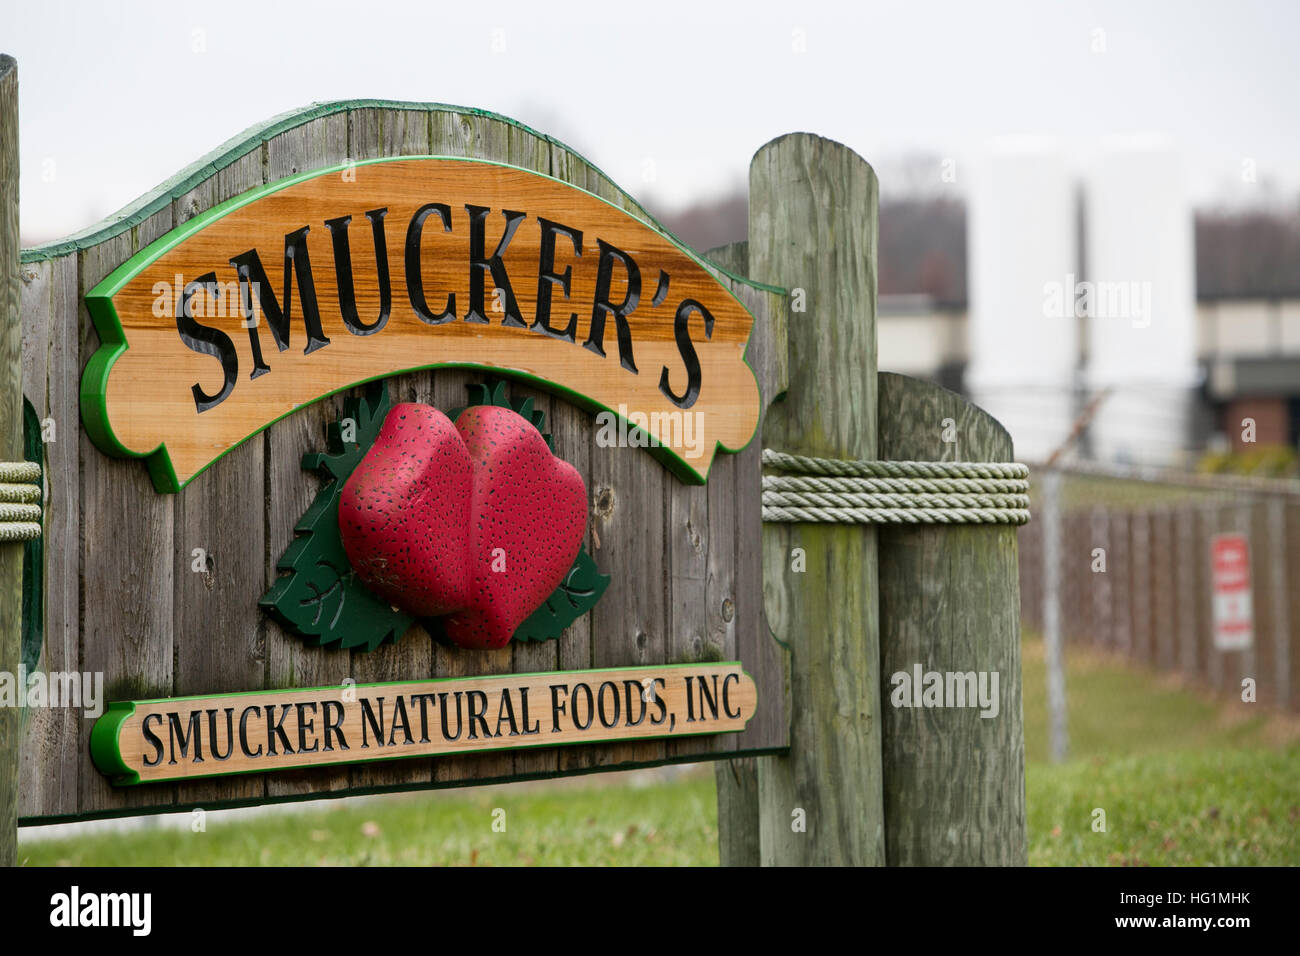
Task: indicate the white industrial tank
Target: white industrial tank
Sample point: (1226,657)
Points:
(1023,252)
(1141,301)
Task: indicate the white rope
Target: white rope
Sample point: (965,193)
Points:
(977,486)
(20,509)
(894,492)
(895,469)
(24,471)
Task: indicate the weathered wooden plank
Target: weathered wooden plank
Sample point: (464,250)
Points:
(1188,601)
(289,661)
(629,625)
(220,527)
(50,758)
(450,661)
(1102,601)
(1140,577)
(1073,624)
(573,431)
(954,776)
(1262,663)
(1163,584)
(1277,568)
(686,547)
(1214,523)
(11,449)
(42,730)
(735,578)
(738,832)
(755,641)
(466,134)
(527,151)
(1245,663)
(812,227)
(535,657)
(128,558)
(628,491)
(573,436)
(1119,560)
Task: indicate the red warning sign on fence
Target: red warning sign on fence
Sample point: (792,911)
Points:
(1234,618)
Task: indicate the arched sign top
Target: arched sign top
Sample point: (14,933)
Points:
(300,288)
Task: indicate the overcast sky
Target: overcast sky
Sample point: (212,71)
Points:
(118,95)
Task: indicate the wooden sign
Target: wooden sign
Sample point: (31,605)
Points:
(445,362)
(186,737)
(1234,616)
(300,288)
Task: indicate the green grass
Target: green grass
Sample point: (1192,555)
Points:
(1217,807)
(1183,779)
(662,824)
(1118,711)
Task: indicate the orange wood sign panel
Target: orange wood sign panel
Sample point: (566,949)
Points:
(304,287)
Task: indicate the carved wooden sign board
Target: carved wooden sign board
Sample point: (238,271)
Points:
(450,458)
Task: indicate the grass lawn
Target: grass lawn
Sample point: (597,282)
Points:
(1182,779)
(575,822)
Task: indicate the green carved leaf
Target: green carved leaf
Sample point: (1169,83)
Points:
(320,598)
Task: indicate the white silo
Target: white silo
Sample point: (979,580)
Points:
(1023,253)
(1141,319)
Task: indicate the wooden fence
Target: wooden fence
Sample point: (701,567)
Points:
(1136,575)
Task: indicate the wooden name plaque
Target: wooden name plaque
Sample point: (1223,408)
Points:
(185,737)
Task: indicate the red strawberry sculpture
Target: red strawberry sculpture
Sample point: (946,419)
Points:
(476,522)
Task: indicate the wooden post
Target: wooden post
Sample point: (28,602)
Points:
(11,449)
(812,230)
(954,776)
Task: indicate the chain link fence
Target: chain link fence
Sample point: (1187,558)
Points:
(1150,572)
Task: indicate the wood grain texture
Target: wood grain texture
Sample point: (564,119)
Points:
(812,227)
(11,449)
(1163,584)
(128,558)
(220,540)
(50,756)
(736,781)
(1118,562)
(188,738)
(1211,524)
(1284,627)
(1188,603)
(954,781)
(148,399)
(131,607)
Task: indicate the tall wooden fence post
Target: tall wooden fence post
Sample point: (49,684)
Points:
(954,776)
(812,230)
(11,449)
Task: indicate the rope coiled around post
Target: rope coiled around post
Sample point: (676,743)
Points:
(20,497)
(828,490)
